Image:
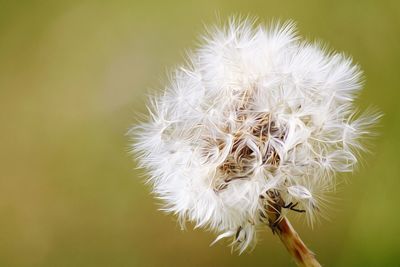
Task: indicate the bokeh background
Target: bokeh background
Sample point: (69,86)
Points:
(74,75)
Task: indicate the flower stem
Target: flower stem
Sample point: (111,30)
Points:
(293,243)
(281,226)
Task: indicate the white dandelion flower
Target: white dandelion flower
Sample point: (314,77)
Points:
(257,123)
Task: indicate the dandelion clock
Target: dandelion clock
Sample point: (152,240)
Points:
(255,125)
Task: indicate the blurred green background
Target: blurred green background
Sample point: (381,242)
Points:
(73,76)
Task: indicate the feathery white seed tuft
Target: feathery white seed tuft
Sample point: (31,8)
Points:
(256,109)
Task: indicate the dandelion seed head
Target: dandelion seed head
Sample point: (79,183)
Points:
(256,109)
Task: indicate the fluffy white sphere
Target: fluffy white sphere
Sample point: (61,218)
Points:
(256,109)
